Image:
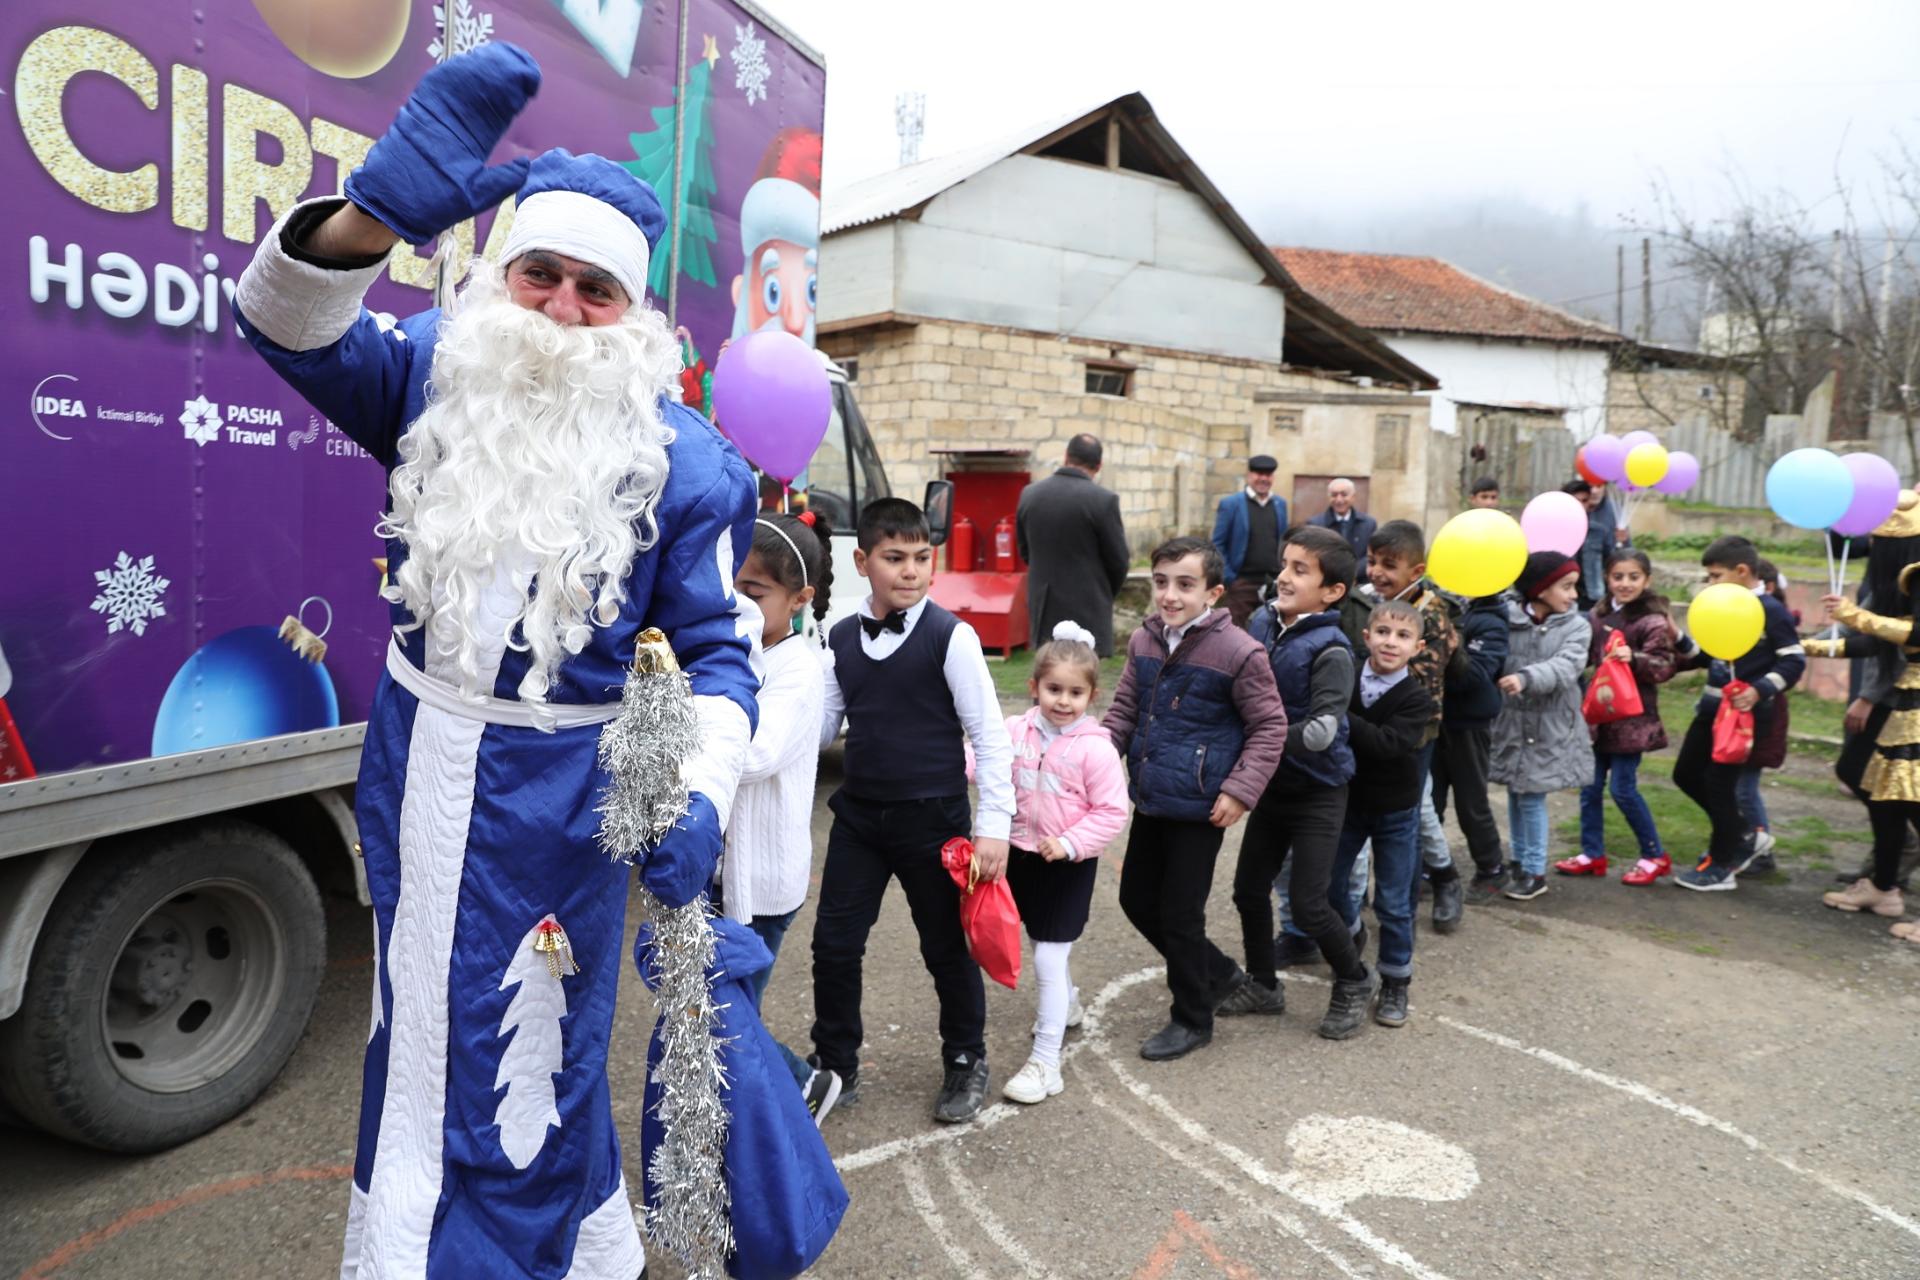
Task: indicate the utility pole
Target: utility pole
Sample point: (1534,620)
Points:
(1646,289)
(1619,288)
(909,121)
(1884,339)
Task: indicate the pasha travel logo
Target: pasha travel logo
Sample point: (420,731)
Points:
(204,421)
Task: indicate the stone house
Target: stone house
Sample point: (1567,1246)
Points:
(1084,275)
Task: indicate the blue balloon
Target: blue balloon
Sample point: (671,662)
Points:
(1809,488)
(242,685)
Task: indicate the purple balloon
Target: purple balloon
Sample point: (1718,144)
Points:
(1876,490)
(1683,469)
(772,399)
(1634,439)
(1607,457)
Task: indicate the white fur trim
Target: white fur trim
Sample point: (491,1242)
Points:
(356,1232)
(295,304)
(778,209)
(725,732)
(608,1246)
(576,225)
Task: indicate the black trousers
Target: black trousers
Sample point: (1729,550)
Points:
(1715,788)
(870,844)
(1890,819)
(1460,768)
(1856,751)
(1163,891)
(1299,830)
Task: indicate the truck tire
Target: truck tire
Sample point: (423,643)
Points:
(170,983)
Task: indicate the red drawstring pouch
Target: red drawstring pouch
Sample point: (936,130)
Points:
(987,914)
(1732,729)
(1613,694)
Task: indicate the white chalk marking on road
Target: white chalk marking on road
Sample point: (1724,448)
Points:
(1286,1221)
(990,1224)
(1343,1158)
(922,1198)
(1691,1114)
(881,1152)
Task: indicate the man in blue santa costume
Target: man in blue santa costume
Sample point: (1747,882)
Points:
(549,500)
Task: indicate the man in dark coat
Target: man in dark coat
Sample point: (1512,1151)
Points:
(1345,519)
(1247,530)
(1075,544)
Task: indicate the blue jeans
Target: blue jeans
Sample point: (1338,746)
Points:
(1625,771)
(772,930)
(1347,904)
(1396,876)
(1434,853)
(1752,807)
(1527,830)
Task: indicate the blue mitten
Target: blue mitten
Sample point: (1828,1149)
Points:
(682,864)
(430,170)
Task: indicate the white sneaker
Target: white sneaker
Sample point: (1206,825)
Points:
(1075,1014)
(1035,1082)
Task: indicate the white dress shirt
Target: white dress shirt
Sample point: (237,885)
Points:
(1176,634)
(975,701)
(1374,685)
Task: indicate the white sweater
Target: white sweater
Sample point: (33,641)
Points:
(770,835)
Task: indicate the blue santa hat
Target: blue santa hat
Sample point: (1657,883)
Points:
(590,209)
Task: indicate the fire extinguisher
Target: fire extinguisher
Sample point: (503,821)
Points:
(1003,559)
(960,544)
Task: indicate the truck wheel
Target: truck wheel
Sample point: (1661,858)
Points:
(170,983)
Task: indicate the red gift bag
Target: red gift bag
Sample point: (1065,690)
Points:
(987,914)
(1613,694)
(1732,729)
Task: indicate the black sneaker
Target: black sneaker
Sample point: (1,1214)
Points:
(961,1092)
(1447,899)
(1290,950)
(1486,886)
(1252,996)
(822,1090)
(849,1083)
(1523,887)
(1391,1011)
(1347,1007)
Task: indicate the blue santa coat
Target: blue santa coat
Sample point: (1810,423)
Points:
(472,835)
(787,1196)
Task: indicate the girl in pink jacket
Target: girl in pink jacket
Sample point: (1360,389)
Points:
(1070,801)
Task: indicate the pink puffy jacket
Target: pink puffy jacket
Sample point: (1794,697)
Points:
(1074,786)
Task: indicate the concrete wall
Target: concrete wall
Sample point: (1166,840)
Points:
(1173,446)
(1509,372)
(1382,438)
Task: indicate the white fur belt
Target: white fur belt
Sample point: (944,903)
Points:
(435,692)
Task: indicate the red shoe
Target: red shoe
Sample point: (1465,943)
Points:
(1582,865)
(1647,870)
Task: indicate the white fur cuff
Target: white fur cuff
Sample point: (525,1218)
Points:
(295,304)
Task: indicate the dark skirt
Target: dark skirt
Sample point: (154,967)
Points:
(1054,897)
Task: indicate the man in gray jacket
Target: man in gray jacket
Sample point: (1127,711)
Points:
(1074,542)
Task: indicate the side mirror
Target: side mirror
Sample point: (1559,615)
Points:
(938,504)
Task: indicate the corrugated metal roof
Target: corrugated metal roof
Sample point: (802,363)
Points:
(885,194)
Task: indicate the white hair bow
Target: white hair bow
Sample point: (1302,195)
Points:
(1068,629)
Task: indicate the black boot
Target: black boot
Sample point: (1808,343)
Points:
(1347,1010)
(1447,899)
(1392,1009)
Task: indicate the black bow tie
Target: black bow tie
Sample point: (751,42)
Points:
(895,622)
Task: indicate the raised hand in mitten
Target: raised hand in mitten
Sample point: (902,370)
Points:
(430,169)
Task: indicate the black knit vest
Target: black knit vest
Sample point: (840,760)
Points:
(904,738)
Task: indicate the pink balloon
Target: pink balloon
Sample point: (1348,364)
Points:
(1607,457)
(1876,489)
(1683,470)
(1555,521)
(1634,439)
(772,399)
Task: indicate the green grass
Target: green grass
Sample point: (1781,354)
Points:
(1685,831)
(1011,675)
(1810,714)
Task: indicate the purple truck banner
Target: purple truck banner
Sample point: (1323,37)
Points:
(177,503)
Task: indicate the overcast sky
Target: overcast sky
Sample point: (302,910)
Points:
(1348,111)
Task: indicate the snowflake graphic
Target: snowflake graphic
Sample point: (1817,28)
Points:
(201,417)
(129,594)
(750,69)
(470,30)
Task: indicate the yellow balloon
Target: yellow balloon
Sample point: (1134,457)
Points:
(1726,620)
(1647,465)
(1477,553)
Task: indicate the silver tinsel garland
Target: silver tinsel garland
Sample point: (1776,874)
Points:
(644,749)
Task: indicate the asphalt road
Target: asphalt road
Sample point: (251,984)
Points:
(1601,1083)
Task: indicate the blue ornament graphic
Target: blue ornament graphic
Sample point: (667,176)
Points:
(245,684)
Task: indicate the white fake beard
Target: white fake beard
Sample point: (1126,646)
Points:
(541,451)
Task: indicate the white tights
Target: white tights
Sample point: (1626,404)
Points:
(1055,994)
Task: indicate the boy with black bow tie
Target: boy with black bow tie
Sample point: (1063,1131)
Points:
(912,684)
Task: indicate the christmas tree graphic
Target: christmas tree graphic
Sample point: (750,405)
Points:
(690,206)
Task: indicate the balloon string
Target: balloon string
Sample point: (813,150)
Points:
(1840,583)
(786,499)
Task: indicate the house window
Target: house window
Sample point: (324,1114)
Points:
(1390,442)
(1108,378)
(852,366)
(1283,419)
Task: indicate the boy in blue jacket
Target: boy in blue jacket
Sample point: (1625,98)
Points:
(1469,706)
(1773,666)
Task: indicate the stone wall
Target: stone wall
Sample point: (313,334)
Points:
(1177,441)
(1656,400)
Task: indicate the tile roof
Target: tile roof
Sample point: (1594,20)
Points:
(1393,292)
